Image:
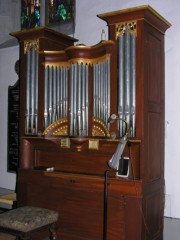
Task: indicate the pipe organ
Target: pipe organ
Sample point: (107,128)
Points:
(126,39)
(55,94)
(81,108)
(31,51)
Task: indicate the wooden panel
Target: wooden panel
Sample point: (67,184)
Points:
(154,76)
(154,215)
(154,146)
(45,152)
(154,108)
(80,202)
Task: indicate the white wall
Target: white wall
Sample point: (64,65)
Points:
(88,31)
(9,22)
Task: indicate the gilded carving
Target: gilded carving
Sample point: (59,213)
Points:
(31,44)
(99,128)
(122,27)
(59,127)
(89,61)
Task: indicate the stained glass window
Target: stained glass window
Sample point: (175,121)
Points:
(59,11)
(30,14)
(35,13)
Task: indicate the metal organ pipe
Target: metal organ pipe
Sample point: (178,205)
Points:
(127,78)
(55,94)
(49,87)
(36,91)
(79,99)
(108,90)
(101,90)
(121,84)
(79,93)
(46,122)
(86,98)
(133,86)
(65,94)
(72,102)
(127,81)
(71,99)
(58,94)
(28,75)
(84,101)
(95,91)
(31,91)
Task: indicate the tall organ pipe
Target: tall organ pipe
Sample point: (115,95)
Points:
(55,94)
(121,84)
(75,101)
(50,95)
(79,93)
(46,122)
(133,88)
(28,75)
(108,91)
(61,90)
(127,81)
(127,78)
(58,93)
(31,91)
(36,91)
(71,99)
(83,99)
(86,98)
(65,96)
(101,90)
(79,99)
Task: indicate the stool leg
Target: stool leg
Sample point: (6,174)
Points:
(53,232)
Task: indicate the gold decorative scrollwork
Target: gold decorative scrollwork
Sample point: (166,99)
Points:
(122,27)
(89,61)
(57,64)
(99,128)
(31,44)
(59,127)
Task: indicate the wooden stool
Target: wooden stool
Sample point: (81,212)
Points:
(24,222)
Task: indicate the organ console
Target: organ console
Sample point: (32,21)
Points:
(92,127)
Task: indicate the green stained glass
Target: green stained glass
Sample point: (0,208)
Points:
(30,14)
(60,11)
(47,12)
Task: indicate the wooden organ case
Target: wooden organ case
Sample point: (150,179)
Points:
(77,104)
